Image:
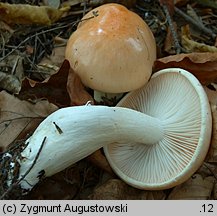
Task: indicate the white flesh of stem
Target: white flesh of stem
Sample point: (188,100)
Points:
(75,132)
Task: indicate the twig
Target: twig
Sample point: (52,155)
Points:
(37,34)
(43,32)
(84,8)
(173,31)
(13,70)
(19,118)
(195,23)
(15,184)
(36,158)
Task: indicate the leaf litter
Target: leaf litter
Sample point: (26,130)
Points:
(19,118)
(35,76)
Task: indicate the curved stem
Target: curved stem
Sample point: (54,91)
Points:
(75,132)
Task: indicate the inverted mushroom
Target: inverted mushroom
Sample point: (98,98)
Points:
(177,100)
(112,50)
(154,150)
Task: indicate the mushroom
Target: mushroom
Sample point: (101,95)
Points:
(156,137)
(177,99)
(112,51)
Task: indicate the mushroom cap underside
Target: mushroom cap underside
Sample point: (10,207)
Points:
(113,51)
(175,97)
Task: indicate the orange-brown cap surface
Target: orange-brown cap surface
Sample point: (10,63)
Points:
(113,51)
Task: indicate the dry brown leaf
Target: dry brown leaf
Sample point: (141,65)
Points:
(17,117)
(54,89)
(99,160)
(48,66)
(61,188)
(206,169)
(202,65)
(44,72)
(196,188)
(30,14)
(56,58)
(215,191)
(212,94)
(212,154)
(115,189)
(77,91)
(192,46)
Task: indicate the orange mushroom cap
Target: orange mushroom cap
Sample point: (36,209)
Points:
(112,50)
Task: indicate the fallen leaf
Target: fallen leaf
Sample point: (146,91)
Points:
(212,94)
(18,118)
(77,91)
(53,89)
(99,160)
(30,14)
(215,191)
(192,46)
(56,58)
(48,66)
(202,65)
(206,169)
(212,154)
(44,72)
(115,189)
(62,189)
(196,188)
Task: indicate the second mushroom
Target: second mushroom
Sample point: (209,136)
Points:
(156,137)
(112,51)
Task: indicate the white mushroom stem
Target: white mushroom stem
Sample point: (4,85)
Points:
(75,132)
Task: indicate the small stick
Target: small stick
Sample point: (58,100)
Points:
(195,23)
(42,32)
(173,31)
(85,8)
(30,37)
